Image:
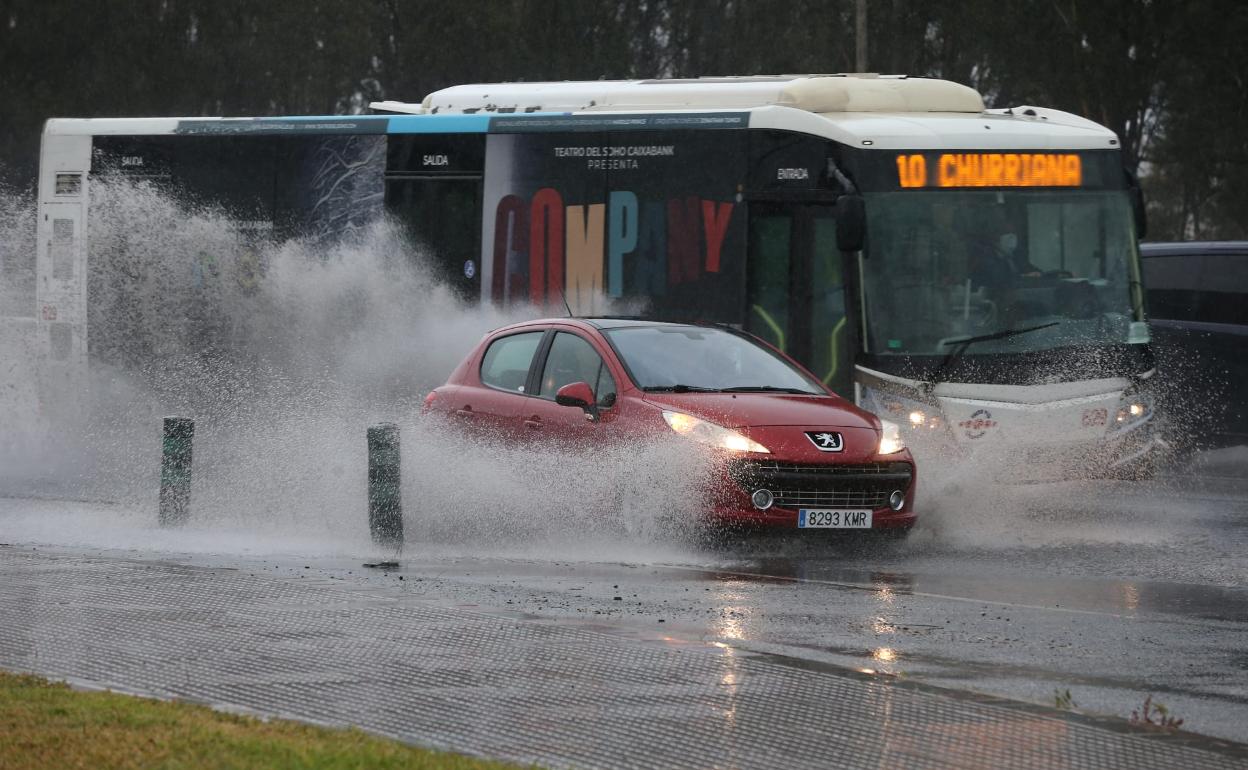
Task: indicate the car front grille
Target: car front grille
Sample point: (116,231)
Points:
(800,485)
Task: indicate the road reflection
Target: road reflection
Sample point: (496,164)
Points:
(1073,593)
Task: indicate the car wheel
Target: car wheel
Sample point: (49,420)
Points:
(875,541)
(640,516)
(892,534)
(637,521)
(645,514)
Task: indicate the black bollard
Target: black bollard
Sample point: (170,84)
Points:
(385,508)
(175,471)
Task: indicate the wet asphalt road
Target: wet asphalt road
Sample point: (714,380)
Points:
(1109,591)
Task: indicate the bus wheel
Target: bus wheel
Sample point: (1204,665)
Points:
(1143,469)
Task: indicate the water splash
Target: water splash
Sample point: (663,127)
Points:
(284,351)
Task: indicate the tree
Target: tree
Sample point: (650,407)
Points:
(1169,78)
(1199,160)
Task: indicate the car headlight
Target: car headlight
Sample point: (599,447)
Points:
(890,438)
(711,434)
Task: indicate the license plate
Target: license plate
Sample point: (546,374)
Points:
(833,518)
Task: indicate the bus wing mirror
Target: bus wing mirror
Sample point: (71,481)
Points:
(851,223)
(1139,209)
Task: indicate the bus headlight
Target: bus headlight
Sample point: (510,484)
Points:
(711,434)
(911,413)
(1133,408)
(890,438)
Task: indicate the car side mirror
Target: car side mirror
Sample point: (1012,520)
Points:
(577,394)
(851,223)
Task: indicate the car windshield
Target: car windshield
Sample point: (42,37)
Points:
(703,358)
(944,267)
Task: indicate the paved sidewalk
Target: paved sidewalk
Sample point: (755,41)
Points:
(517,689)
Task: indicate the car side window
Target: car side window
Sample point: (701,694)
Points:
(507,360)
(572,359)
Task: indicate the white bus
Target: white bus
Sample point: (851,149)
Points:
(972,271)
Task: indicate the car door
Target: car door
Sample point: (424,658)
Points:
(570,358)
(494,398)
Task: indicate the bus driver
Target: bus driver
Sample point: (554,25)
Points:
(995,260)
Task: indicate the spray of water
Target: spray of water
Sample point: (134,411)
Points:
(284,351)
(17,254)
(18,396)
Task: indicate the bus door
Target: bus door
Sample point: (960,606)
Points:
(442,218)
(433,188)
(795,287)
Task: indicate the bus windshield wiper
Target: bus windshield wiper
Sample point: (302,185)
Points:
(960,346)
(767,389)
(679,389)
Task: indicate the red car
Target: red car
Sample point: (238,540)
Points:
(788,451)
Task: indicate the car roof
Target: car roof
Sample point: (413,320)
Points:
(595,322)
(619,322)
(1185,248)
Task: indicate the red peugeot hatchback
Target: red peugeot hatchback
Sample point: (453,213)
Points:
(788,451)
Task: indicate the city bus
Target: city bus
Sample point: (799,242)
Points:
(972,273)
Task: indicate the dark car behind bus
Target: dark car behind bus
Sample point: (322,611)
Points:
(1197,295)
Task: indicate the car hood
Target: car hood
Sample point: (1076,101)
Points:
(741,410)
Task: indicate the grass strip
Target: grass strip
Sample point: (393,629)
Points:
(48,724)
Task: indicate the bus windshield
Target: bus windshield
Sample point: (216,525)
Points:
(942,267)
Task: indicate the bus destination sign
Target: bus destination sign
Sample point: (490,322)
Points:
(989,169)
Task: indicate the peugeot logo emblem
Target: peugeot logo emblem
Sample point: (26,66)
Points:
(826,440)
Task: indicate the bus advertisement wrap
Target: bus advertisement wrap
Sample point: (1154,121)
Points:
(657,214)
